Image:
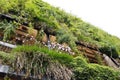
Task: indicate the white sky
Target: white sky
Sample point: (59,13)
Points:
(104,14)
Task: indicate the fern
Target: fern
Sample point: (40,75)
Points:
(8,29)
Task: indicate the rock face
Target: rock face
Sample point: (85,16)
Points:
(24,30)
(52,38)
(95,56)
(45,39)
(22,35)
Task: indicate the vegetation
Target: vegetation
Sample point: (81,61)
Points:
(60,56)
(37,61)
(6,58)
(54,21)
(96,72)
(110,51)
(40,66)
(84,71)
(55,65)
(8,29)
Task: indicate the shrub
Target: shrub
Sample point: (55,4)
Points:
(79,61)
(96,72)
(85,71)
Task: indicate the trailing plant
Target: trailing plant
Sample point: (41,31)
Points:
(40,65)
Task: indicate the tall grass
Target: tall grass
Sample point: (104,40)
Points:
(54,54)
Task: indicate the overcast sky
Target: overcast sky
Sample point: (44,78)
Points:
(104,14)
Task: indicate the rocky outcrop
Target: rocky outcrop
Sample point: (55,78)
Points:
(95,56)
